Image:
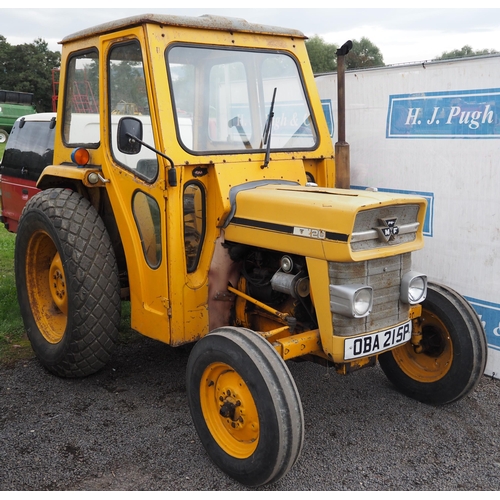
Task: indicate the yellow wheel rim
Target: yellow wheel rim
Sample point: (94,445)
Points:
(432,361)
(229,410)
(46,286)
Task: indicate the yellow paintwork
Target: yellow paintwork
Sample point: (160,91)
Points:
(46,287)
(298,345)
(167,303)
(434,365)
(237,432)
(75,173)
(320,293)
(330,210)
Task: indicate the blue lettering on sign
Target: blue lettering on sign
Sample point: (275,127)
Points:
(461,114)
(328,111)
(489,313)
(429,214)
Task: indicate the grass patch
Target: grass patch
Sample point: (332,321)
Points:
(14,344)
(127,335)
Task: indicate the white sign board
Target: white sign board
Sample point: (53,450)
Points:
(433,129)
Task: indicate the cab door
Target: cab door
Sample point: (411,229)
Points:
(136,184)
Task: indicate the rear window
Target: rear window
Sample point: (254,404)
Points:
(29,150)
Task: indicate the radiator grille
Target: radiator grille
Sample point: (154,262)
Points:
(365,235)
(384,276)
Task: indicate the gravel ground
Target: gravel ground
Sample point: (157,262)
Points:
(129,428)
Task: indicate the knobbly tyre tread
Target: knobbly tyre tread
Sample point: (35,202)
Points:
(277,389)
(469,356)
(92,280)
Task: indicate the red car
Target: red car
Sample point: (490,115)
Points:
(30,148)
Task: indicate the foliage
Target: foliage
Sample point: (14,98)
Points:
(28,68)
(323,55)
(465,51)
(364,54)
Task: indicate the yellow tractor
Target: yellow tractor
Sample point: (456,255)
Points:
(209,202)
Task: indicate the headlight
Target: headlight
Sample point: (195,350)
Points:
(413,288)
(353,301)
(363,300)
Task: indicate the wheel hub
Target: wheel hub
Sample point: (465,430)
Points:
(58,284)
(429,356)
(47,287)
(229,410)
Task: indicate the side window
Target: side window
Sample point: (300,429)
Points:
(81,109)
(194,223)
(147,217)
(128,97)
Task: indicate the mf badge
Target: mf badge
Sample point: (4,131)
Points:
(387,230)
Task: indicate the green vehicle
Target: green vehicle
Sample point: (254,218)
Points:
(13,105)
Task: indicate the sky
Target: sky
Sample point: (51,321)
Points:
(403,35)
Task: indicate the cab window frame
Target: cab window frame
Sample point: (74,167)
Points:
(68,112)
(151,164)
(204,114)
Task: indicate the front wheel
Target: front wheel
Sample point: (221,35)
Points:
(450,358)
(245,405)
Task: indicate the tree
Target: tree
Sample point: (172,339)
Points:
(465,51)
(28,68)
(364,54)
(323,56)
(4,48)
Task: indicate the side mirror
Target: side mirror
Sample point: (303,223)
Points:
(129,135)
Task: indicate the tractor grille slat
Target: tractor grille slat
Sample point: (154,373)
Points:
(384,276)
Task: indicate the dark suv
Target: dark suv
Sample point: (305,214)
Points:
(30,148)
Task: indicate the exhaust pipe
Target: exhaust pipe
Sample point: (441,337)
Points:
(342,157)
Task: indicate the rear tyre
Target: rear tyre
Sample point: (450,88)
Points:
(3,136)
(67,283)
(452,354)
(245,405)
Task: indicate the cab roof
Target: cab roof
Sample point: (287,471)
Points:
(209,22)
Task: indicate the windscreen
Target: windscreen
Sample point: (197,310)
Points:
(229,100)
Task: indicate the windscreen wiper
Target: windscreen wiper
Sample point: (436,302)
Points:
(266,138)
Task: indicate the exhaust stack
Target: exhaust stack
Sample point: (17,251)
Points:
(342,157)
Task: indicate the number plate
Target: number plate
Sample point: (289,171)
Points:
(367,345)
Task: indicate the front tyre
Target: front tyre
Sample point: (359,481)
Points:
(67,283)
(449,361)
(245,405)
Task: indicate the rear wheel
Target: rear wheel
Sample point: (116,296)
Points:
(449,361)
(67,283)
(3,136)
(245,405)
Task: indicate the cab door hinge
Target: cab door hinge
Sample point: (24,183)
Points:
(166,305)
